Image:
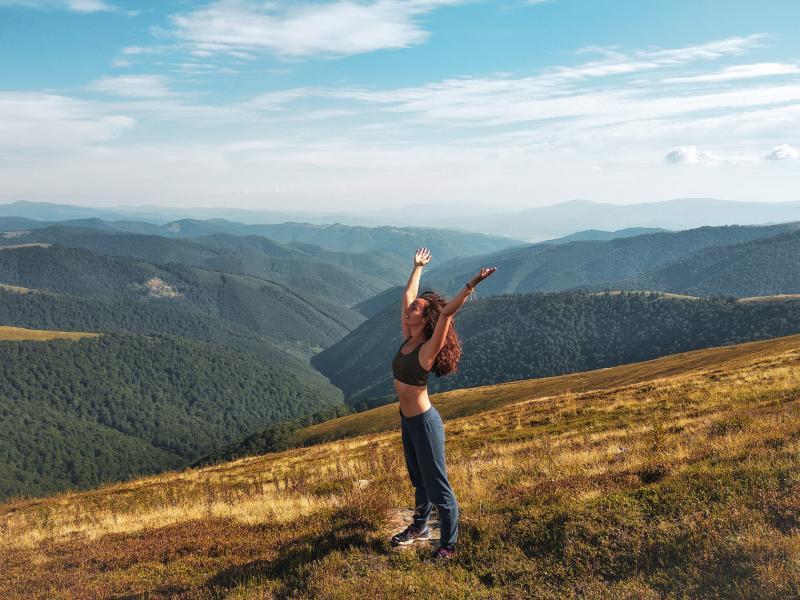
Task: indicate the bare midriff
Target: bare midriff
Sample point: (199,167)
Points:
(413,398)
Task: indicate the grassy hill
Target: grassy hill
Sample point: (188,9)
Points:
(514,337)
(17,334)
(679,477)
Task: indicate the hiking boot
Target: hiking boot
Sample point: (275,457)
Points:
(410,535)
(444,553)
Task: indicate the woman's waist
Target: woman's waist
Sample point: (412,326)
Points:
(410,407)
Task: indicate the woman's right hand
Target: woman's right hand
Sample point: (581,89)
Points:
(422,257)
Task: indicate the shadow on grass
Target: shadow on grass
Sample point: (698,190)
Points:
(293,556)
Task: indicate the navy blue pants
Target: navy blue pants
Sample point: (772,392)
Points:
(423,446)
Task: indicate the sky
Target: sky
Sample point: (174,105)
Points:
(369,104)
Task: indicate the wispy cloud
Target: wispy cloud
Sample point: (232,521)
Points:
(88,5)
(740,72)
(243,28)
(134,86)
(49,121)
(82,6)
(617,62)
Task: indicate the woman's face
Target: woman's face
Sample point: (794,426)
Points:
(415,313)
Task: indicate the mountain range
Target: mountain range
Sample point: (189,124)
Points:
(530,224)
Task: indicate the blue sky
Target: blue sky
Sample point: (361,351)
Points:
(353,105)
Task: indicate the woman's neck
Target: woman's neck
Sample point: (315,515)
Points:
(418,334)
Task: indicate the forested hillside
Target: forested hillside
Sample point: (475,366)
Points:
(319,275)
(78,413)
(551,268)
(352,239)
(262,307)
(521,336)
(384,243)
(758,268)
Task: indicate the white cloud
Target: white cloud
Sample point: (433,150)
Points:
(783,152)
(338,28)
(134,86)
(88,5)
(691,155)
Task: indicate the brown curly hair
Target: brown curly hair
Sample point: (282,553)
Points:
(447,360)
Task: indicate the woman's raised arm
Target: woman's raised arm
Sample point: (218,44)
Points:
(421,258)
(458,300)
(430,349)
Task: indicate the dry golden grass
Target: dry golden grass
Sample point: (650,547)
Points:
(770,298)
(16,289)
(678,477)
(460,403)
(17,334)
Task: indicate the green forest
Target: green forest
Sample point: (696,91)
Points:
(757,268)
(520,336)
(290,319)
(79,413)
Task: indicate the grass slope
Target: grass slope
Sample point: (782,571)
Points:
(16,334)
(674,478)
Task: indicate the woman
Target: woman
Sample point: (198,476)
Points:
(430,344)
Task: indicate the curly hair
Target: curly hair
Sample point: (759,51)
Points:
(447,360)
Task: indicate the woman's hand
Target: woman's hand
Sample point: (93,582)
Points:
(422,257)
(482,274)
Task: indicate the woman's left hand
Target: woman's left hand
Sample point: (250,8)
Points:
(483,274)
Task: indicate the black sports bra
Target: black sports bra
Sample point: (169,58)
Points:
(406,367)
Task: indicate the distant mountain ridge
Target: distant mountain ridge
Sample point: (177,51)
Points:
(333,237)
(545,222)
(532,225)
